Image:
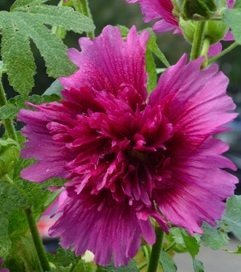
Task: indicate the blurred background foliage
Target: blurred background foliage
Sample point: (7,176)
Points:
(118,12)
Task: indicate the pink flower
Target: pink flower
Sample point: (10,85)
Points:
(162,12)
(129,157)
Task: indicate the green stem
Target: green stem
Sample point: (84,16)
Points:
(223,53)
(156,251)
(83,7)
(8,123)
(37,240)
(197,40)
(204,52)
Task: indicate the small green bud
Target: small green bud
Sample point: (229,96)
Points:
(197,8)
(188,29)
(215,31)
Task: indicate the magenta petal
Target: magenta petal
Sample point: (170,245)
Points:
(215,49)
(111,232)
(186,85)
(42,171)
(108,62)
(162,10)
(193,200)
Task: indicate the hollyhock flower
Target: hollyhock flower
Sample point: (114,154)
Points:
(128,157)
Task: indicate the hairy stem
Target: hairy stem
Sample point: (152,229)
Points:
(223,53)
(156,251)
(37,241)
(198,40)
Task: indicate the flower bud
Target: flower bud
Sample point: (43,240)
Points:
(188,29)
(214,30)
(197,8)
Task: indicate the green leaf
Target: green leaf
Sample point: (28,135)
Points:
(35,194)
(151,70)
(63,258)
(154,48)
(29,20)
(17,58)
(54,88)
(22,3)
(232,17)
(237,4)
(11,198)
(18,225)
(65,17)
(23,256)
(232,216)
(131,267)
(7,111)
(124,30)
(191,244)
(198,266)
(183,241)
(85,267)
(167,262)
(5,242)
(50,47)
(9,153)
(214,237)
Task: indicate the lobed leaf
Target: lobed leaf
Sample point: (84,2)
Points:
(22,3)
(214,237)
(65,17)
(17,57)
(232,17)
(198,266)
(54,89)
(167,262)
(5,242)
(232,216)
(191,244)
(11,198)
(29,20)
(131,267)
(51,47)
